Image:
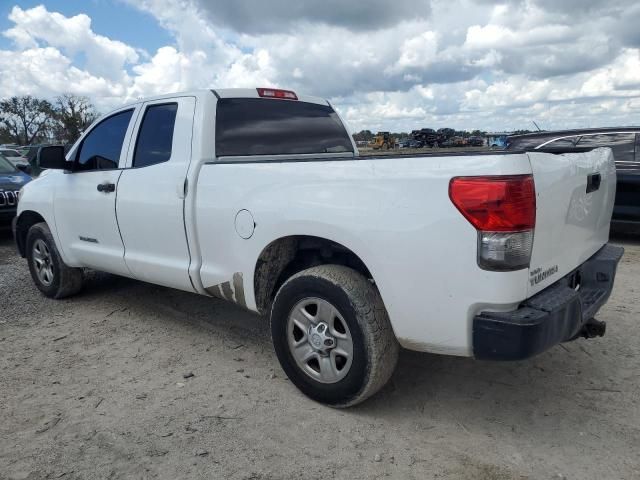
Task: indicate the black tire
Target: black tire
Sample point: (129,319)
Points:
(375,348)
(65,281)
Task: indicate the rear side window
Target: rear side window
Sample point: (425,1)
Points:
(259,126)
(100,149)
(155,136)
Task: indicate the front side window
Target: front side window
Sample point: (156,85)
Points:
(100,149)
(260,126)
(155,136)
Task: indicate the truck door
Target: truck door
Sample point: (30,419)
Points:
(151,192)
(85,200)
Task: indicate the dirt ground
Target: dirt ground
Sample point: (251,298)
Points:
(94,387)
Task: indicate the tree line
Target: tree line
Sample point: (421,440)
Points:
(27,120)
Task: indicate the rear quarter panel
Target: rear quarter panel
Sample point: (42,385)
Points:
(394,213)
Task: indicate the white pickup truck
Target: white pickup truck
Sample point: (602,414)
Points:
(260,197)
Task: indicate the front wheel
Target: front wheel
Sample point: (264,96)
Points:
(332,335)
(48,271)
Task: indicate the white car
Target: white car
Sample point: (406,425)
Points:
(259,197)
(13,156)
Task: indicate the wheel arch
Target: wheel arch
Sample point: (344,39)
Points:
(23,223)
(288,255)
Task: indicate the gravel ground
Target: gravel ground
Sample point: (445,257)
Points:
(94,387)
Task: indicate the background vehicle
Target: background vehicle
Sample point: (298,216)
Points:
(625,144)
(383,140)
(455,142)
(11,181)
(476,141)
(432,138)
(444,135)
(13,156)
(259,197)
(426,136)
(497,140)
(410,143)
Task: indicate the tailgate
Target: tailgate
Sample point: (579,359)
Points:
(574,200)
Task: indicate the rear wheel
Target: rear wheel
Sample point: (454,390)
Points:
(332,335)
(48,271)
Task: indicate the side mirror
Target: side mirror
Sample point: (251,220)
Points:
(52,157)
(24,167)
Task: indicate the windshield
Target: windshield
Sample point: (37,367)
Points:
(6,166)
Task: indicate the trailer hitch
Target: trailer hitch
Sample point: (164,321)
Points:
(593,328)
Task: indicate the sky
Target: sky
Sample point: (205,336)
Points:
(399,66)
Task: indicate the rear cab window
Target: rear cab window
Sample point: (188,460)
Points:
(259,126)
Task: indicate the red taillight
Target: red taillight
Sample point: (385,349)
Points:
(497,203)
(277,93)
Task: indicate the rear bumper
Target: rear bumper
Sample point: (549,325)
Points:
(555,315)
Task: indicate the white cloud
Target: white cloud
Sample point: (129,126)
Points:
(465,64)
(500,36)
(622,77)
(46,72)
(72,35)
(418,51)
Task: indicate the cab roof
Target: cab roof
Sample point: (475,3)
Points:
(226,93)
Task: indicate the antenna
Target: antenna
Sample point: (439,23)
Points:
(539,129)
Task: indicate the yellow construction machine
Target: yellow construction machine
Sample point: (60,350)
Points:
(383,140)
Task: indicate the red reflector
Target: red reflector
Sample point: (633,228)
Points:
(276,93)
(496,204)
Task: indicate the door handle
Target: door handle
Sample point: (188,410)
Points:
(106,187)
(593,182)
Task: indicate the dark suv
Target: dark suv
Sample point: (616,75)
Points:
(11,181)
(625,144)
